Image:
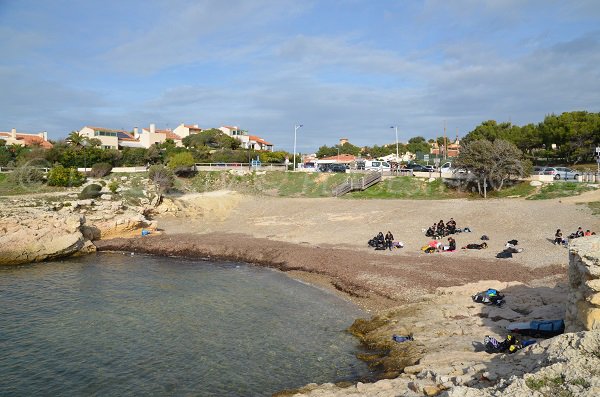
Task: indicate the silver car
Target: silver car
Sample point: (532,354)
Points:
(561,173)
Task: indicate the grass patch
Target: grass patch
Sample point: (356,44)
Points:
(406,187)
(521,189)
(8,187)
(560,189)
(271,183)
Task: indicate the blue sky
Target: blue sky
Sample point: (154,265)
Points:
(345,68)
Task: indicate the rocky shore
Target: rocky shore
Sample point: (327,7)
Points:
(408,291)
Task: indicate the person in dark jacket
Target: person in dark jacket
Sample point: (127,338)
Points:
(389,239)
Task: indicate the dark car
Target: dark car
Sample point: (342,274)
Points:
(417,167)
(337,168)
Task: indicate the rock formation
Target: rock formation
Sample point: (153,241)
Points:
(37,235)
(583,310)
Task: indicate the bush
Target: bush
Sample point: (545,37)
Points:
(182,163)
(162,177)
(113,186)
(100,169)
(90,191)
(26,175)
(61,176)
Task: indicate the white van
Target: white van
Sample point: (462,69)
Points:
(447,167)
(377,165)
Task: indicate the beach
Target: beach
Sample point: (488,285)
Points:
(324,241)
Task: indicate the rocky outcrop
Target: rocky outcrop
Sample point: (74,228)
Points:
(36,235)
(583,310)
(567,365)
(34,230)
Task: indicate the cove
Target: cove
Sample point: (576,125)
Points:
(116,324)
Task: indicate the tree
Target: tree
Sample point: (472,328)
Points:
(75,139)
(417,144)
(162,178)
(491,162)
(181,162)
(213,138)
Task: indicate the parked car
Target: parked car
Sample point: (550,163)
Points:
(561,173)
(337,168)
(377,165)
(447,167)
(416,167)
(538,170)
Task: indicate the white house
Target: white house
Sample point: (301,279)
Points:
(247,141)
(183,130)
(109,138)
(151,136)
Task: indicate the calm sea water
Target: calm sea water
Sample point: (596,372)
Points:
(114,324)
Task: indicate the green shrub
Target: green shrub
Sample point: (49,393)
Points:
(26,175)
(182,163)
(61,176)
(113,186)
(90,191)
(100,169)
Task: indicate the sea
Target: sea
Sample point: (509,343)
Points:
(116,324)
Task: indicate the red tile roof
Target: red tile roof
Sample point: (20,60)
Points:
(341,158)
(29,139)
(259,140)
(170,134)
(191,127)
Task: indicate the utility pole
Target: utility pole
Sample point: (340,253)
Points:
(445,143)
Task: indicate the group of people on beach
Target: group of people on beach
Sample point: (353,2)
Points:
(381,242)
(441,229)
(560,240)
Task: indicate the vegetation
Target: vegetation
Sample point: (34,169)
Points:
(90,191)
(560,189)
(162,177)
(181,162)
(100,169)
(520,189)
(61,176)
(406,187)
(491,163)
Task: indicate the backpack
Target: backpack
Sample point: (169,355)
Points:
(484,237)
(490,296)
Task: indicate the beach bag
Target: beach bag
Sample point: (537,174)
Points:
(484,237)
(491,344)
(504,255)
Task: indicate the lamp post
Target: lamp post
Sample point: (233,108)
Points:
(295,130)
(338,156)
(395,127)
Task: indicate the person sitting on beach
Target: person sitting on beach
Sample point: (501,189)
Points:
(577,234)
(558,238)
(475,246)
(587,233)
(451,245)
(441,229)
(431,231)
(451,226)
(389,239)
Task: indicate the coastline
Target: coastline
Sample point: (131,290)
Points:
(374,281)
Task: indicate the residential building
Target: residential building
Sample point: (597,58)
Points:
(23,139)
(183,130)
(247,141)
(108,137)
(151,136)
(452,151)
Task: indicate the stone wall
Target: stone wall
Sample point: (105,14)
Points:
(583,306)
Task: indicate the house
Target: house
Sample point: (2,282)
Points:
(108,137)
(247,141)
(151,136)
(453,149)
(183,130)
(23,139)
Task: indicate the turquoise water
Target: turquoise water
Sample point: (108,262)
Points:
(114,324)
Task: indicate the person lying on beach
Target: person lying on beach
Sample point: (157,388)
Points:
(475,246)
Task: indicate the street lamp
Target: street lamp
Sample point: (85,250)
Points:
(397,155)
(295,130)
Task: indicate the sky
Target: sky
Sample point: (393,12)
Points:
(341,68)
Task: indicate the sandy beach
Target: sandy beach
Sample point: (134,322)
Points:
(324,241)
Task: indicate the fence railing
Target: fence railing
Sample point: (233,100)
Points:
(239,166)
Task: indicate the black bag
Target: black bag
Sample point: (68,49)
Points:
(504,255)
(484,237)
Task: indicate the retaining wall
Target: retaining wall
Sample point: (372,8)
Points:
(583,305)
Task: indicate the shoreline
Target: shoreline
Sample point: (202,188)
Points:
(374,281)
